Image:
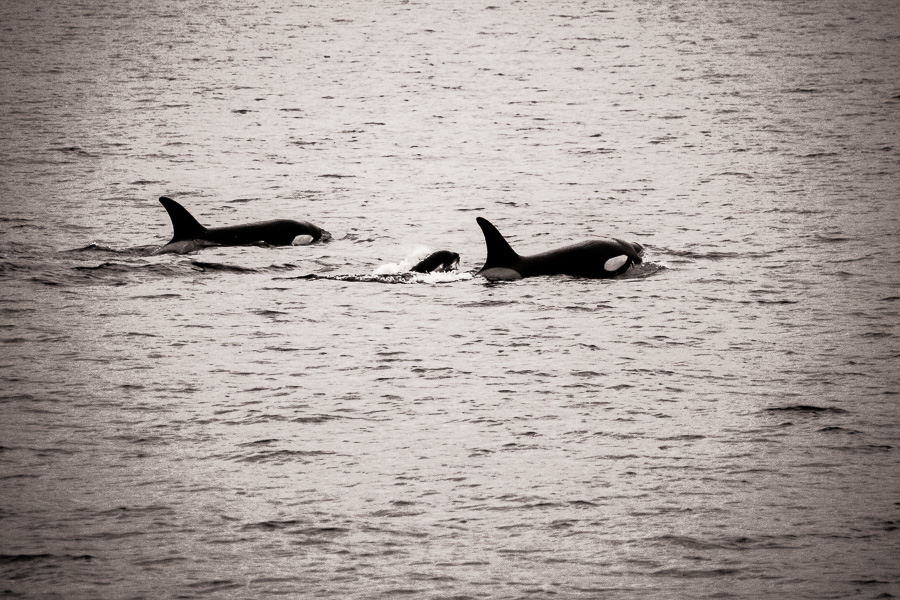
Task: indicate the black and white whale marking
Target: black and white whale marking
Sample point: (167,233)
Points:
(190,235)
(601,258)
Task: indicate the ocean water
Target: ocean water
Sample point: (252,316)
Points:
(255,422)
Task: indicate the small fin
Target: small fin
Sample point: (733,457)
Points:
(499,253)
(442,260)
(184,224)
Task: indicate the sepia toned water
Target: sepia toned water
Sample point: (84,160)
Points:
(256,422)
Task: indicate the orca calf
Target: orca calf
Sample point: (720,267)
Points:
(440,261)
(602,258)
(189,235)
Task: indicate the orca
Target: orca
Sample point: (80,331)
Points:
(190,235)
(440,261)
(601,258)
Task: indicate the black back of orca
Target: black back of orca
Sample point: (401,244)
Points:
(279,232)
(594,259)
(442,260)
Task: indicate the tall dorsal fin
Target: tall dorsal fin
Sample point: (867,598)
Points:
(499,253)
(184,224)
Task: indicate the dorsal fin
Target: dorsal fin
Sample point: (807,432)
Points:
(184,224)
(499,253)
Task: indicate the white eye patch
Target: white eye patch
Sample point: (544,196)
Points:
(302,240)
(615,263)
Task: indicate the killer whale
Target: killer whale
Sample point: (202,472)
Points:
(189,234)
(440,261)
(600,258)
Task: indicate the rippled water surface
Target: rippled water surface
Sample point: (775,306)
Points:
(253,422)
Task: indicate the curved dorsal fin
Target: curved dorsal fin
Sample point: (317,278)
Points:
(184,224)
(499,253)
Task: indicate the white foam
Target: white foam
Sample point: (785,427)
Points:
(302,240)
(413,257)
(442,277)
(390,269)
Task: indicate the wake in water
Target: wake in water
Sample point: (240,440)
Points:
(642,271)
(98,264)
(118,266)
(95,249)
(419,266)
(431,278)
(422,260)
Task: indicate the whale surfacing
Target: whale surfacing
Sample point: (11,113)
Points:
(441,261)
(595,259)
(190,235)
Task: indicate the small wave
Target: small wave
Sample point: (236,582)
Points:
(264,442)
(92,247)
(282,456)
(221,267)
(163,296)
(684,437)
(9,267)
(136,512)
(806,408)
(106,266)
(795,211)
(819,155)
(108,272)
(20,220)
(402,278)
(862,449)
(715,255)
(782,301)
(72,150)
(6,559)
(687,542)
(836,429)
(488,303)
(273,525)
(697,573)
(582,504)
(106,269)
(315,419)
(733,174)
(227,268)
(215,585)
(832,239)
(643,271)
